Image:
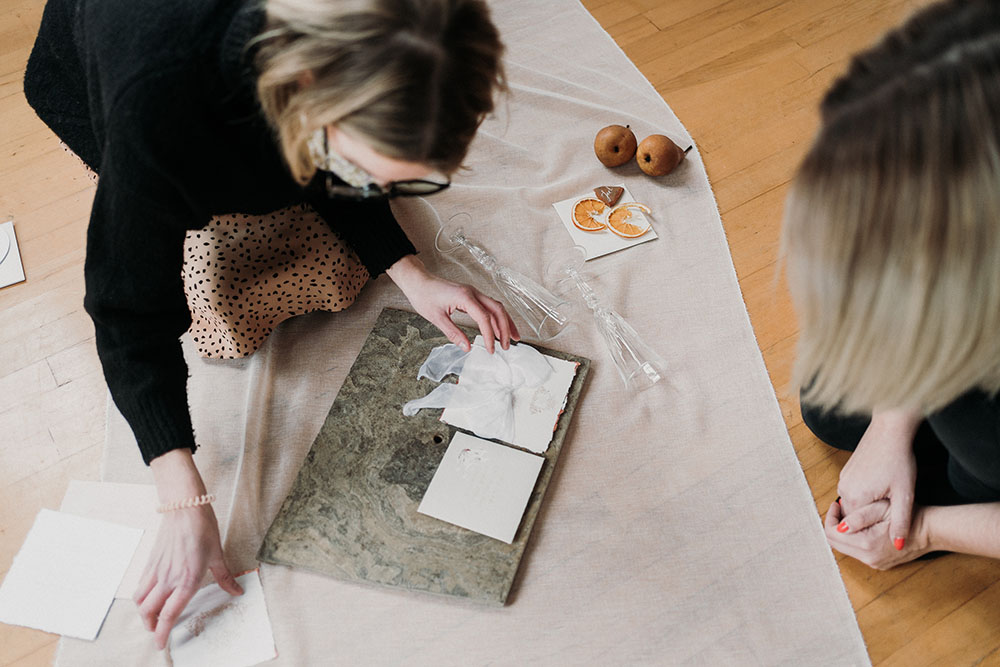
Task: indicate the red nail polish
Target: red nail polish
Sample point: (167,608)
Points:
(899,543)
(842,527)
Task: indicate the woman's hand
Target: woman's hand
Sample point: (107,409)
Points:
(187,544)
(435,299)
(882,467)
(871,545)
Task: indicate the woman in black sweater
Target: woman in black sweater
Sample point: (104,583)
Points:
(195,108)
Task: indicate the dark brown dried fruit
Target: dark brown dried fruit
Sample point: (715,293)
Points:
(609,194)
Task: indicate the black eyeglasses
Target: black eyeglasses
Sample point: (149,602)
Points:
(413,188)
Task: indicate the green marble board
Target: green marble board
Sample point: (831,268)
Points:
(352,512)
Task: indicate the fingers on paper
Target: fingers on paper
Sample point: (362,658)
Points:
(225,578)
(482,317)
(453,333)
(499,319)
(171,610)
(151,605)
(146,585)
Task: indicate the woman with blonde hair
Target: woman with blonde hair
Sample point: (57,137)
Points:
(892,238)
(246,152)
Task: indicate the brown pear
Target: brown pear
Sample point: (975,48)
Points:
(614,145)
(657,155)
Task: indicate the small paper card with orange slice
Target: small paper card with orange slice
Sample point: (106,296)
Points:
(592,230)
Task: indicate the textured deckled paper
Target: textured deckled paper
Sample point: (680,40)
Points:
(131,505)
(11,269)
(536,410)
(64,578)
(222,630)
(482,486)
(603,242)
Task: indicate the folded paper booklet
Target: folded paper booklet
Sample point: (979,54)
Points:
(353,510)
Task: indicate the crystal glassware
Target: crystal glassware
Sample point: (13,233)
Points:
(544,313)
(638,365)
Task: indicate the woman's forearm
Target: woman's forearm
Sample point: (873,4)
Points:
(177,477)
(969,529)
(901,421)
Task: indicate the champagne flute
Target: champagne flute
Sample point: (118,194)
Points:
(638,365)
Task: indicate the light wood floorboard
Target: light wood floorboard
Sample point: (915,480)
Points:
(745,76)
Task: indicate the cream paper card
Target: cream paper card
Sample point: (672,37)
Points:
(217,629)
(603,242)
(131,505)
(482,486)
(64,578)
(11,269)
(536,409)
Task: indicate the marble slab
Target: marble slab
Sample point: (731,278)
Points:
(352,512)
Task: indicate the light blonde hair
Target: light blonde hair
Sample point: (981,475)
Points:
(412,78)
(892,226)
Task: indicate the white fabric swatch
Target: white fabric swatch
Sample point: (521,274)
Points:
(535,407)
(515,395)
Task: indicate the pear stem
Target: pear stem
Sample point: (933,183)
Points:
(686,150)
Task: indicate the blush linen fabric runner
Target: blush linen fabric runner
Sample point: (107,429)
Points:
(678,527)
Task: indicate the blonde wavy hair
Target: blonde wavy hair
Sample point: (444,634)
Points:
(412,78)
(892,226)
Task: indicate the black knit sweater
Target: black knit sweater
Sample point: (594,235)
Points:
(158,98)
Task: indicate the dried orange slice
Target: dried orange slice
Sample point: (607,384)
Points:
(587,214)
(622,222)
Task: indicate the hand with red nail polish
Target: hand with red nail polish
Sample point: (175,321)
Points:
(878,481)
(871,543)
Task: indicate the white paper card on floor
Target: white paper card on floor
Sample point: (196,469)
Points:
(603,242)
(535,408)
(64,578)
(11,269)
(482,486)
(131,505)
(217,629)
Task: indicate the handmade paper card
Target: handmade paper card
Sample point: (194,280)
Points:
(217,629)
(131,505)
(602,241)
(64,578)
(536,409)
(482,486)
(11,270)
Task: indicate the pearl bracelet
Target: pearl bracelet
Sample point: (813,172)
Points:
(197,501)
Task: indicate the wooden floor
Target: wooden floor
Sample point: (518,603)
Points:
(744,76)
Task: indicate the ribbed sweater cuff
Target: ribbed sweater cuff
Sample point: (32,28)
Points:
(385,251)
(159,426)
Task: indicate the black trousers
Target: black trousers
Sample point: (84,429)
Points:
(957,448)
